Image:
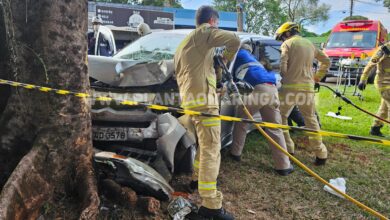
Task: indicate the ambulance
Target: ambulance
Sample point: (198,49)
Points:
(355,39)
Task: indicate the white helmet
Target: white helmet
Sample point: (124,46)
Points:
(97,20)
(143,29)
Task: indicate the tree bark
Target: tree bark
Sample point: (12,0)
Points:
(45,139)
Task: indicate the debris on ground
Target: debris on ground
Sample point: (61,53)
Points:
(133,173)
(180,207)
(339,183)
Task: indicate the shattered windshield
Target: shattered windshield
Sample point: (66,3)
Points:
(366,39)
(152,47)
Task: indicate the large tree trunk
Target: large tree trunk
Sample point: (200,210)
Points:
(45,139)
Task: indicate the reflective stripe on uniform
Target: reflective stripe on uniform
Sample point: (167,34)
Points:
(383,88)
(196,164)
(207,185)
(387,70)
(243,69)
(211,122)
(193,103)
(229,55)
(306,86)
(212,82)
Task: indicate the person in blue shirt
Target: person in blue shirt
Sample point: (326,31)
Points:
(263,99)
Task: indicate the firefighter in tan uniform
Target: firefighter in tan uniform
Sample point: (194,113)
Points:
(298,81)
(381,60)
(197,80)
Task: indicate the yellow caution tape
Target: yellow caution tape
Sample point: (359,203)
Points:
(233,119)
(196,113)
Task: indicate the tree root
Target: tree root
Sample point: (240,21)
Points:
(41,173)
(126,197)
(26,189)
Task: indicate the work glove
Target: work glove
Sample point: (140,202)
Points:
(362,86)
(230,87)
(244,87)
(219,84)
(317,87)
(385,50)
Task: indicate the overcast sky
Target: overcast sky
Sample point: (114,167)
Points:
(339,10)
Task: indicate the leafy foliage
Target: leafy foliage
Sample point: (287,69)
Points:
(261,16)
(355,17)
(326,34)
(120,1)
(386,3)
(306,33)
(226,5)
(159,3)
(306,12)
(265,16)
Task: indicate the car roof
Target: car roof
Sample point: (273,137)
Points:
(242,35)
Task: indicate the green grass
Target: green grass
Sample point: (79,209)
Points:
(360,123)
(252,184)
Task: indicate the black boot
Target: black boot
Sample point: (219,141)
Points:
(193,185)
(285,172)
(320,162)
(234,157)
(215,214)
(376,131)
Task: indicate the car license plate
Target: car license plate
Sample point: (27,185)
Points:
(109,134)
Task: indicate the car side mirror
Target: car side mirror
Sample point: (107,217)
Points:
(322,45)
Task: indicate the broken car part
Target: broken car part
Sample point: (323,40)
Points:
(133,173)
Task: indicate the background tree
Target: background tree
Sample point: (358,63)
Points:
(306,33)
(118,1)
(266,16)
(225,5)
(45,139)
(158,3)
(355,17)
(386,3)
(261,16)
(161,3)
(305,12)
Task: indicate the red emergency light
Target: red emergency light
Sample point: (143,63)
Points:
(354,24)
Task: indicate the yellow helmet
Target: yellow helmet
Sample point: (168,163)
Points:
(288,26)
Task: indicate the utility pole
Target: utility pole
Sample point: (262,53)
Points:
(351,9)
(240,15)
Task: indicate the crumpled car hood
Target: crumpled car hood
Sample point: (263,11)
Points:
(133,173)
(136,74)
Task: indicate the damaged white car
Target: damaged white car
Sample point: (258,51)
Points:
(144,72)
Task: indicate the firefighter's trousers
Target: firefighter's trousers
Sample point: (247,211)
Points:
(208,158)
(306,104)
(383,110)
(264,98)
